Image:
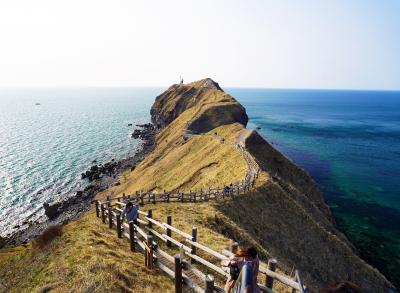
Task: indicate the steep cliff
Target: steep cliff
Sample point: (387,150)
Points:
(213,107)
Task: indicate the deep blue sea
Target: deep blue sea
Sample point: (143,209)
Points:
(349,141)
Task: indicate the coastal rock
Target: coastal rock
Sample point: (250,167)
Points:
(51,211)
(145,133)
(2,242)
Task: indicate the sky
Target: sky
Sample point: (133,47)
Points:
(341,44)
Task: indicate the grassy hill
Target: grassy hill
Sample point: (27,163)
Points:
(199,127)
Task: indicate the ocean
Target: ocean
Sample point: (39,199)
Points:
(349,141)
(45,148)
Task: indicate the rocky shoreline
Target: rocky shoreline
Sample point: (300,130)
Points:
(100,177)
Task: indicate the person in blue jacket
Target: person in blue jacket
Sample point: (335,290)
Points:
(131,212)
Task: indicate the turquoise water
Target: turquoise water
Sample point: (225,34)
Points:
(44,148)
(349,141)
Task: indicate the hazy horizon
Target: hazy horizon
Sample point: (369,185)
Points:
(166,86)
(247,44)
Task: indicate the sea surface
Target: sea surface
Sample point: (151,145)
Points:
(44,148)
(349,141)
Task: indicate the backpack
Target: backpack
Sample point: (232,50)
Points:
(234,271)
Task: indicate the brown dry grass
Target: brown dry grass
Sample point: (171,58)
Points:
(88,257)
(48,236)
(178,165)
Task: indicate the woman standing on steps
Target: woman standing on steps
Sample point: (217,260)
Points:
(243,267)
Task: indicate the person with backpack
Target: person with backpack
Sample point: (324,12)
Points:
(247,259)
(244,283)
(131,212)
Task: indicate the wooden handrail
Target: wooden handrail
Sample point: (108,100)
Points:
(172,228)
(156,223)
(280,278)
(154,232)
(208,250)
(207,264)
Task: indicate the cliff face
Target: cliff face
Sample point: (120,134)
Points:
(285,216)
(214,107)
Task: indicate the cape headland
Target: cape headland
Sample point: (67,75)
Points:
(202,141)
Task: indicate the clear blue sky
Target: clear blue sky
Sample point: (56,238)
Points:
(249,43)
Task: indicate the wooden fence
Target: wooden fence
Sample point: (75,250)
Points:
(146,230)
(199,195)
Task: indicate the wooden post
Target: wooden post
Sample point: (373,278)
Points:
(269,282)
(146,255)
(234,247)
(123,196)
(119,231)
(142,199)
(178,274)
(238,189)
(108,201)
(150,253)
(154,198)
(182,254)
(110,221)
(97,209)
(194,239)
(182,194)
(169,222)
(201,194)
(150,215)
(132,235)
(209,284)
(194,196)
(103,214)
(168,197)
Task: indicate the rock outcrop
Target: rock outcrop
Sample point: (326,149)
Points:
(213,106)
(2,242)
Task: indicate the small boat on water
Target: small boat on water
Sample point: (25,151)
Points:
(37,104)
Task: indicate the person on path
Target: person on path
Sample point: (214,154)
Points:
(249,257)
(226,190)
(131,212)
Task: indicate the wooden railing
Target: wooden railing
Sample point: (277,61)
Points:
(146,230)
(199,195)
